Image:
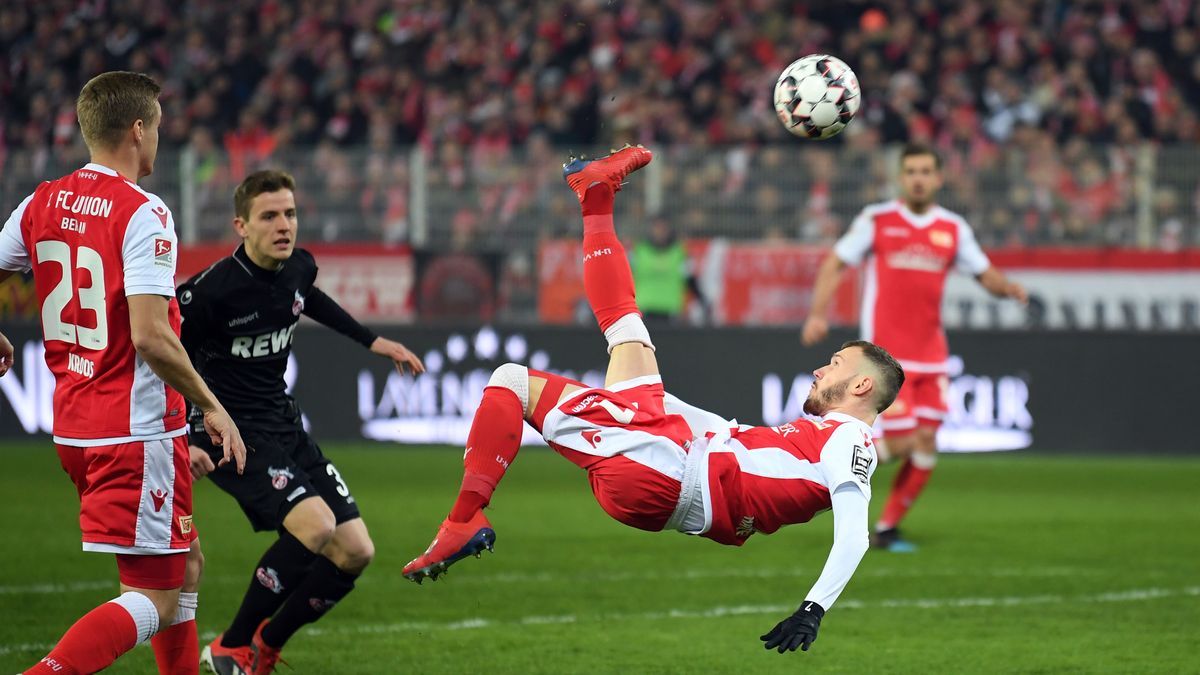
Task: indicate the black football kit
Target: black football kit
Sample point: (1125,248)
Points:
(238,324)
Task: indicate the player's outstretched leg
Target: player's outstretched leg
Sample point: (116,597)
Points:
(607,279)
(492,445)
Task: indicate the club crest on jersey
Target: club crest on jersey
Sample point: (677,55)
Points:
(279,477)
(940,238)
(297,304)
(163,249)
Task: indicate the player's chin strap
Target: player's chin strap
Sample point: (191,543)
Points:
(629,328)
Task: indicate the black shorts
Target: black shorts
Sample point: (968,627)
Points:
(284,468)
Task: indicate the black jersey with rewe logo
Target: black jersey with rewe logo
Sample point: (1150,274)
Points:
(239,321)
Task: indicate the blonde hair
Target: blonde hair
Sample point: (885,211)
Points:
(111,102)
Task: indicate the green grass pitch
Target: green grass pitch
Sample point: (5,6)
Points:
(1028,564)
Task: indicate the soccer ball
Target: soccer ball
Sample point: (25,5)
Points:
(817,96)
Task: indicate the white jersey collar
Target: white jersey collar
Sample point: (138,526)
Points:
(99,168)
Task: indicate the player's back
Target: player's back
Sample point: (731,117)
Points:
(93,238)
(908,257)
(761,478)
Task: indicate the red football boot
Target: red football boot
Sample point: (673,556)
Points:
(454,541)
(582,174)
(227,660)
(265,656)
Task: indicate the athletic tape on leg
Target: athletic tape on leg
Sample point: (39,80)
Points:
(143,611)
(629,328)
(514,377)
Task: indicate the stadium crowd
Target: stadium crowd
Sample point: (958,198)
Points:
(1040,108)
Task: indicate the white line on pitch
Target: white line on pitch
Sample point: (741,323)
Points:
(738,610)
(719,611)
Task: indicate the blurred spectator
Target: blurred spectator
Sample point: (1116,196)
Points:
(992,84)
(662,273)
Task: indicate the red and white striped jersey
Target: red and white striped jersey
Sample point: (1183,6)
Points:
(92,238)
(762,478)
(908,257)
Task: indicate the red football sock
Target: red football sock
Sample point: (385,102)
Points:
(492,444)
(909,483)
(607,279)
(177,649)
(92,644)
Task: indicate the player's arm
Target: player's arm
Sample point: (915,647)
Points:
(850,542)
(849,250)
(995,282)
(326,310)
(6,355)
(13,258)
(157,345)
(971,260)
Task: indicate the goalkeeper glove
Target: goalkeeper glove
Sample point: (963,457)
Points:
(798,630)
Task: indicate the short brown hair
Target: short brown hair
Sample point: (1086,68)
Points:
(257,183)
(889,368)
(111,102)
(919,150)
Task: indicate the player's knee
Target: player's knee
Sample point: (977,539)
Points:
(194,568)
(315,528)
(925,439)
(514,377)
(358,556)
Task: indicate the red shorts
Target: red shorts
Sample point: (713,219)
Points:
(133,497)
(921,401)
(633,451)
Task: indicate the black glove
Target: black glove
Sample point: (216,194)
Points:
(798,630)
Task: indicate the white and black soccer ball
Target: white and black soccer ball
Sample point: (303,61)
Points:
(817,96)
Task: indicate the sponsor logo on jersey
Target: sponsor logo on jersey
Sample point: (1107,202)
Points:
(163,249)
(159,497)
(269,579)
(263,345)
(279,477)
(298,304)
(185,297)
(161,212)
(185,524)
(895,231)
(592,436)
(920,259)
(860,463)
(746,527)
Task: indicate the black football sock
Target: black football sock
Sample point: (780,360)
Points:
(324,586)
(280,572)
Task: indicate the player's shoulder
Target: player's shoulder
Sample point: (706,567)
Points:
(943,213)
(880,208)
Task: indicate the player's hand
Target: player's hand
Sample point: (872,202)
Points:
(6,355)
(399,354)
(1017,292)
(815,330)
(224,432)
(201,463)
(798,630)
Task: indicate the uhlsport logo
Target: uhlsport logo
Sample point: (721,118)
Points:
(437,405)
